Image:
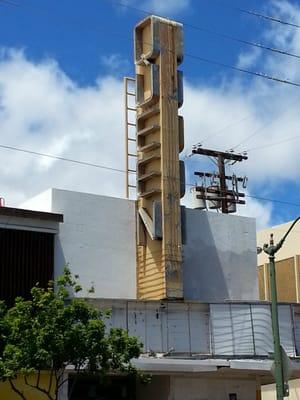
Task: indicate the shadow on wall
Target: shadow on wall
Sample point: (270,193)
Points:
(219,257)
(59,257)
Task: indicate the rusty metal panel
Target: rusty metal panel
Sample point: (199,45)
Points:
(26,258)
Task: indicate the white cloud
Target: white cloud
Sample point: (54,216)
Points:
(41,109)
(249,58)
(115,63)
(44,111)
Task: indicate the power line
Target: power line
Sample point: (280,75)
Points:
(257,14)
(274,201)
(243,41)
(216,33)
(220,131)
(228,66)
(36,153)
(273,144)
(271,122)
(220,64)
(267,17)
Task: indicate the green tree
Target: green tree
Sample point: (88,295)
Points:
(54,330)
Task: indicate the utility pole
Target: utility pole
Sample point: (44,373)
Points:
(222,194)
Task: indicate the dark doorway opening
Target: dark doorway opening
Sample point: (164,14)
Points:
(26,258)
(112,388)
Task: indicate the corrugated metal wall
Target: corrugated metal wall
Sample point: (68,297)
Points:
(26,258)
(218,330)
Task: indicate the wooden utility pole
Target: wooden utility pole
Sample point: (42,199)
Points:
(158,51)
(222,193)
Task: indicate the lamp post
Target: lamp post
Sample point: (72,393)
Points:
(271,249)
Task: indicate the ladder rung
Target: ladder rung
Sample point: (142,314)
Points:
(149,193)
(129,78)
(148,159)
(149,147)
(131,124)
(132,186)
(130,94)
(132,170)
(148,176)
(131,140)
(132,155)
(149,113)
(131,109)
(148,130)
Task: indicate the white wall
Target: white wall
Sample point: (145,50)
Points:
(183,388)
(219,258)
(97,240)
(269,391)
(40,202)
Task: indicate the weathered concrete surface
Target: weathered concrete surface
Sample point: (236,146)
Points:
(219,257)
(98,239)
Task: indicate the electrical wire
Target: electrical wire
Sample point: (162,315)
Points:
(273,144)
(216,33)
(267,17)
(243,41)
(273,200)
(220,131)
(220,64)
(270,122)
(36,153)
(257,14)
(253,73)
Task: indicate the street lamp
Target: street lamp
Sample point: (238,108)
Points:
(271,249)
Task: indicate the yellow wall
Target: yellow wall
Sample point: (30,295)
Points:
(287,264)
(287,280)
(6,393)
(291,246)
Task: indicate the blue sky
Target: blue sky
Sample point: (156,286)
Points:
(77,34)
(61,70)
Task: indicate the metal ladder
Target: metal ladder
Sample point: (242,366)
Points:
(129,137)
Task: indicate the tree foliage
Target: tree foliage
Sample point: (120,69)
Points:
(55,330)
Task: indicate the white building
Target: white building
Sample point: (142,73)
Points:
(216,343)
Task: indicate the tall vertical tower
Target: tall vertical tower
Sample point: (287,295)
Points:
(160,174)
